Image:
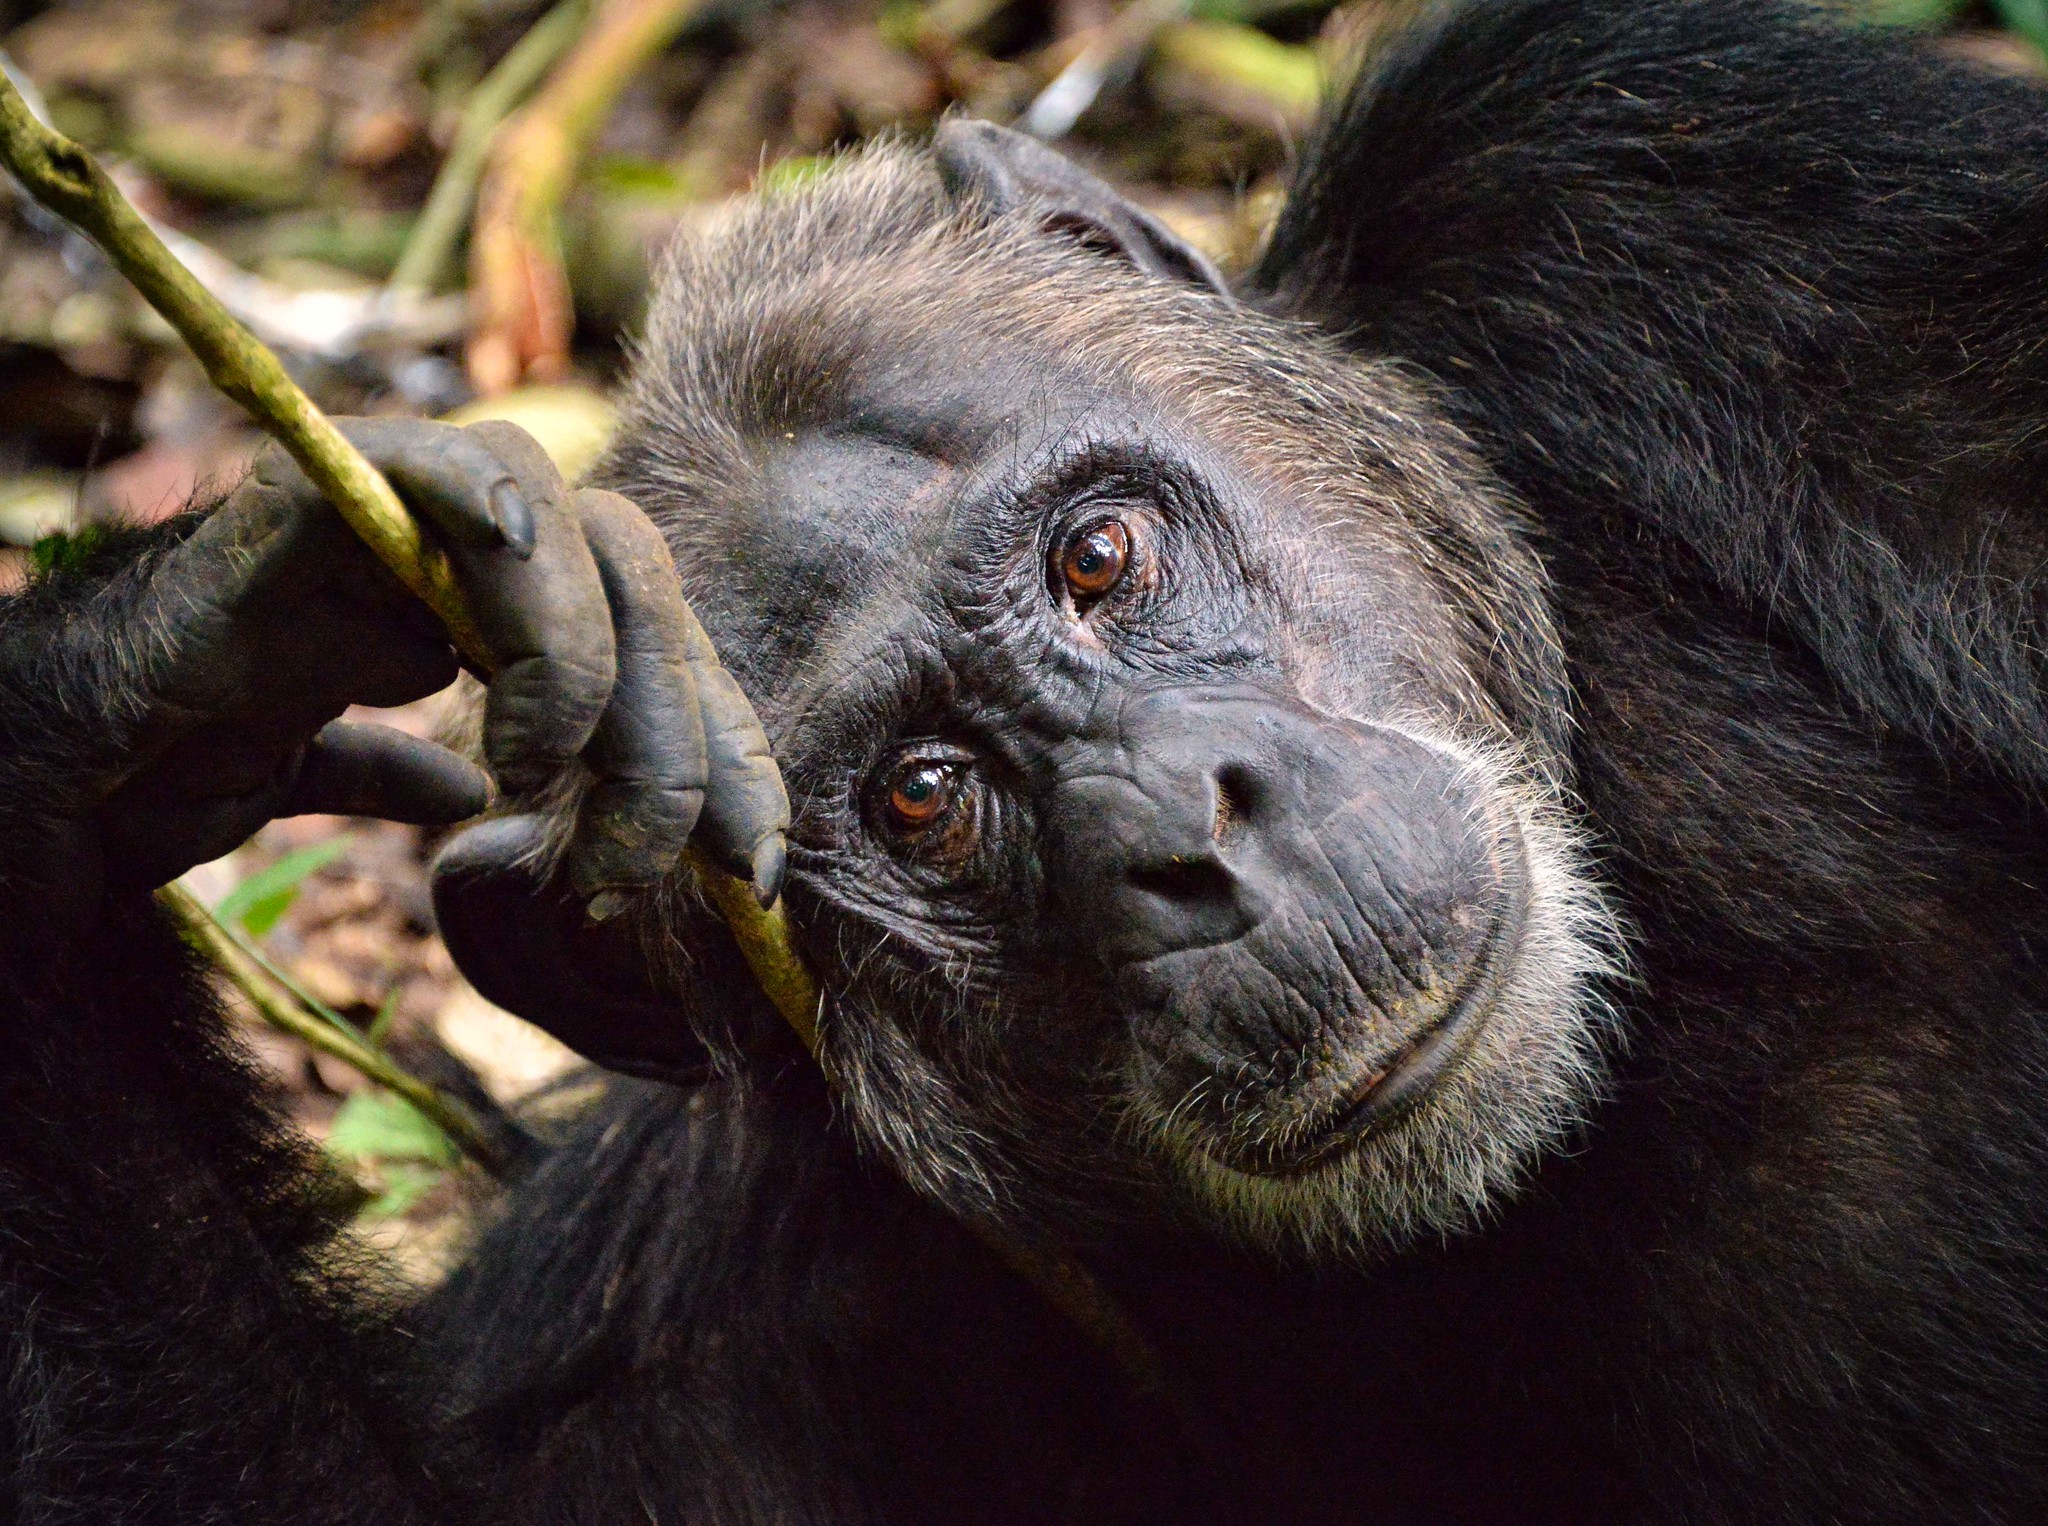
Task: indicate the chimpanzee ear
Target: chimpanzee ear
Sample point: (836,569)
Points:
(1005,169)
(528,947)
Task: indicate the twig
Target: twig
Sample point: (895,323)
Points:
(522,314)
(64,178)
(1110,57)
(288,1011)
(431,245)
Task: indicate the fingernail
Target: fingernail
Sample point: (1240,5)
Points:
(605,905)
(514,518)
(770,860)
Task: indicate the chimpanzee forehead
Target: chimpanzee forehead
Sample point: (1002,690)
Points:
(842,513)
(853,513)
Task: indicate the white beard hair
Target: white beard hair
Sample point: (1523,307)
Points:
(1523,1087)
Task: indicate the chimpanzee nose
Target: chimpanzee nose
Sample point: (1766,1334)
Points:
(1147,821)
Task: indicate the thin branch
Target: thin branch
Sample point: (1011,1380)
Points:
(431,245)
(555,129)
(64,178)
(287,1010)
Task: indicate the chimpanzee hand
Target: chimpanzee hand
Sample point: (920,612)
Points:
(221,667)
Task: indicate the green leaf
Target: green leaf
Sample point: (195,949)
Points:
(65,552)
(1223,53)
(404,1185)
(1252,10)
(2029,18)
(267,894)
(1909,13)
(794,173)
(376,1127)
(625,175)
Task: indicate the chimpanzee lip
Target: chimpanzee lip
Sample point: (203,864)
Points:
(1386,1093)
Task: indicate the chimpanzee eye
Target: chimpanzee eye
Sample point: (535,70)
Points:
(920,794)
(1094,560)
(932,809)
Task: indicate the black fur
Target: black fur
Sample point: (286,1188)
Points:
(1744,308)
(1748,311)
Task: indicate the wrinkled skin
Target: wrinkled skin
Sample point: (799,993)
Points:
(1233,881)
(1181,861)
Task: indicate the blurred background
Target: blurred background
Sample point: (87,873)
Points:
(451,207)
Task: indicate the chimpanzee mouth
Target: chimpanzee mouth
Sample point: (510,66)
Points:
(1394,1086)
(1414,1072)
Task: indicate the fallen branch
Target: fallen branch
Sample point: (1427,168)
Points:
(64,178)
(287,1011)
(431,245)
(521,313)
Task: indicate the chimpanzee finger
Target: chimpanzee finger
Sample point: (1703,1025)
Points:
(648,751)
(545,620)
(746,809)
(452,477)
(353,770)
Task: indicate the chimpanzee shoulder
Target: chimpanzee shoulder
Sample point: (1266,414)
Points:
(1729,295)
(1745,282)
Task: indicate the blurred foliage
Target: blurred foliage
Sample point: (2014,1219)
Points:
(260,900)
(65,551)
(383,1138)
(2029,18)
(394,1153)
(572,422)
(301,139)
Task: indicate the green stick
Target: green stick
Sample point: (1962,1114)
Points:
(63,177)
(283,1010)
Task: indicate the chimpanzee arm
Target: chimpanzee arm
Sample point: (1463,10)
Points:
(177,1336)
(177,1339)
(710,1304)
(1730,283)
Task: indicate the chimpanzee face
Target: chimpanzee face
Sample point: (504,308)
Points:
(1166,703)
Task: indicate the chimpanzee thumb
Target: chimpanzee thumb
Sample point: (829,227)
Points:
(354,770)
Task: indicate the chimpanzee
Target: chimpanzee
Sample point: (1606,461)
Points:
(1454,828)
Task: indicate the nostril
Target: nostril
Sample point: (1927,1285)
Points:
(1184,880)
(1235,793)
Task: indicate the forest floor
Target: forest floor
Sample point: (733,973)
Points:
(296,142)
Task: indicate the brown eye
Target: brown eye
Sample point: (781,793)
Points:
(933,811)
(1094,561)
(920,795)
